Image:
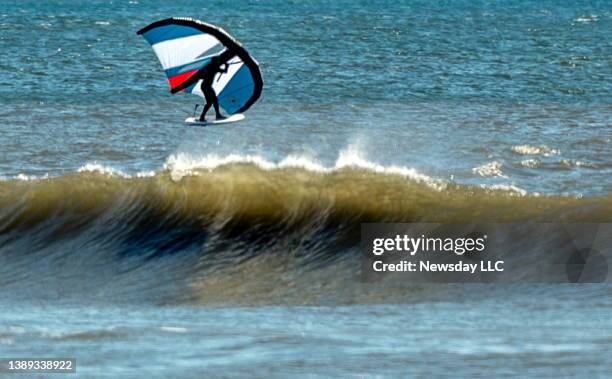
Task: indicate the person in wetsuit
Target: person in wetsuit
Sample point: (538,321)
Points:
(208,75)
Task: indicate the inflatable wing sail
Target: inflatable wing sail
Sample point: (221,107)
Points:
(185,46)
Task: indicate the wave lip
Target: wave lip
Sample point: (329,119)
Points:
(105,170)
(95,167)
(180,165)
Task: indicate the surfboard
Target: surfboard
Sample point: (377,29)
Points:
(211,121)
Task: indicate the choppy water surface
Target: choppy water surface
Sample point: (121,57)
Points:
(465,336)
(516,93)
(127,237)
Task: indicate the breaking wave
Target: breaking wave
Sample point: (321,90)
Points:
(233,229)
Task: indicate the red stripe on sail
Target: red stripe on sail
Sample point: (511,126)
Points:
(177,80)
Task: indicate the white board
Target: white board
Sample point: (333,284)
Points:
(211,121)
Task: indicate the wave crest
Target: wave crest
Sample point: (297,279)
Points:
(237,232)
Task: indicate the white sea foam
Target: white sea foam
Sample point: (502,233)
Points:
(531,163)
(511,189)
(570,163)
(585,19)
(181,164)
(534,150)
(101,169)
(145,174)
(489,169)
(585,164)
(111,171)
(88,167)
(27,178)
(23,177)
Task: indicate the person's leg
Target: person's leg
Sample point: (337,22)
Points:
(209,100)
(218,114)
(204,110)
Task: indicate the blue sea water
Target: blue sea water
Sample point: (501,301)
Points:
(110,207)
(508,93)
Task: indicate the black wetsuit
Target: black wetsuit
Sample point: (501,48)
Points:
(208,76)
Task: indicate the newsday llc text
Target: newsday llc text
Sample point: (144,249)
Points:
(528,252)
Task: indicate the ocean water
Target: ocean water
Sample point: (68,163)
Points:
(144,247)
